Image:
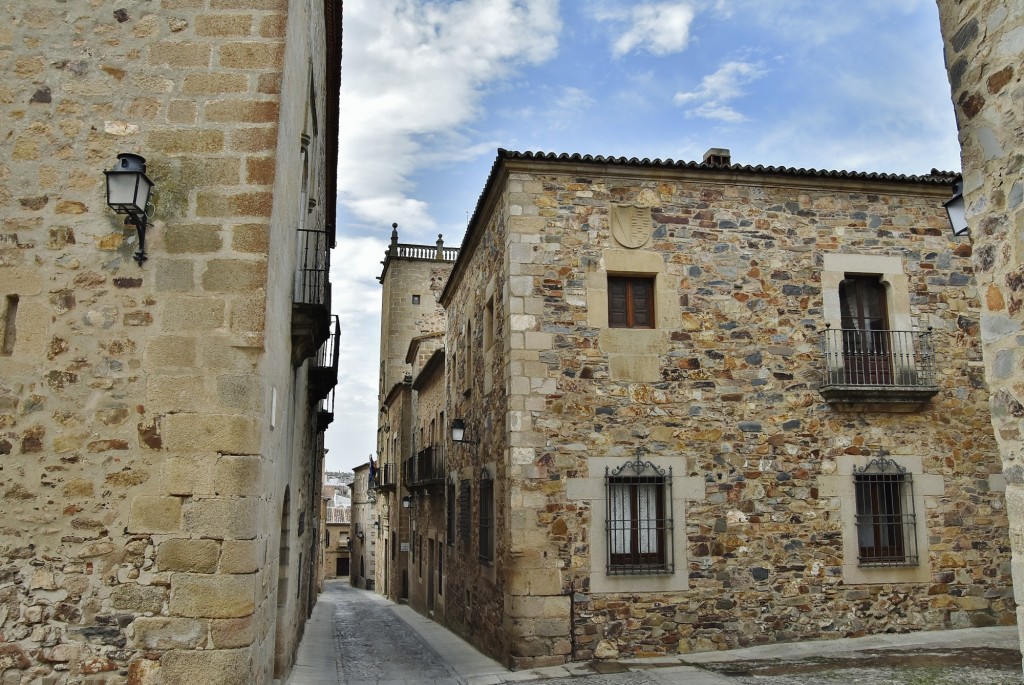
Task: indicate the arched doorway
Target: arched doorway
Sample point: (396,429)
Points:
(283,559)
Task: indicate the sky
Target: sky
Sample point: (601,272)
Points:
(430,89)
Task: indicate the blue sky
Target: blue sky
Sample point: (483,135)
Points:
(430,90)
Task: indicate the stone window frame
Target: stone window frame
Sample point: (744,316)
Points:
(884,494)
(591,495)
(635,310)
(485,517)
(489,337)
(450,517)
(839,484)
(633,353)
(888,269)
(625,486)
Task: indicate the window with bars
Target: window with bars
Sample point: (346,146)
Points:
(450,503)
(886,522)
(486,518)
(631,302)
(464,504)
(639,518)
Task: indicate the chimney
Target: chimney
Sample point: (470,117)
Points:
(717,156)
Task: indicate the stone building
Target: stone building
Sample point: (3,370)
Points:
(425,476)
(707,405)
(336,527)
(412,325)
(161,418)
(984,57)
(364,529)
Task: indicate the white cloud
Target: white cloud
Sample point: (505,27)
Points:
(413,74)
(717,89)
(357,298)
(660,29)
(812,22)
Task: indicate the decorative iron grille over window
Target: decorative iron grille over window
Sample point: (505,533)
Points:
(464,505)
(450,504)
(486,529)
(639,518)
(886,523)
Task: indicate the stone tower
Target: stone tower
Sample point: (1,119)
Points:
(412,322)
(161,423)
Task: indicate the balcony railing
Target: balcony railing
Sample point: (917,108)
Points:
(311,298)
(877,366)
(323,375)
(311,274)
(440,253)
(325,411)
(436,253)
(426,468)
(387,478)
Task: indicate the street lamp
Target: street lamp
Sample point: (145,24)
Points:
(128,192)
(956,208)
(459,432)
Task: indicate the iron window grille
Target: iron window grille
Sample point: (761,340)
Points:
(886,522)
(464,505)
(639,526)
(486,518)
(450,505)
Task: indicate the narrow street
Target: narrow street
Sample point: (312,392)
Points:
(358,637)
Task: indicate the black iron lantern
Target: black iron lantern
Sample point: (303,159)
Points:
(128,192)
(459,432)
(956,208)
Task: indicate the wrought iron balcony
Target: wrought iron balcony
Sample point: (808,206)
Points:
(325,412)
(892,367)
(311,301)
(387,479)
(426,468)
(323,374)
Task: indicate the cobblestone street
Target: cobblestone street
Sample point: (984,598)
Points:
(357,637)
(376,645)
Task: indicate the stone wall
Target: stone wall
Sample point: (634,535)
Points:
(149,420)
(427,512)
(984,50)
(363,534)
(762,466)
(478,390)
(396,433)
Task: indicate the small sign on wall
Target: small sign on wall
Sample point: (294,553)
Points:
(404,547)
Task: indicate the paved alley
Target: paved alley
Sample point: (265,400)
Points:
(357,637)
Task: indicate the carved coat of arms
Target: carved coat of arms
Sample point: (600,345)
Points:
(631,225)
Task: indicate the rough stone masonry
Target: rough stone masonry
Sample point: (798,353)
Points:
(156,491)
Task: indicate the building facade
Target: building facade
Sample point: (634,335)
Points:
(364,529)
(412,328)
(162,405)
(984,54)
(337,499)
(707,405)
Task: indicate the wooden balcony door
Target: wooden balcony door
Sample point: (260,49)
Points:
(867,354)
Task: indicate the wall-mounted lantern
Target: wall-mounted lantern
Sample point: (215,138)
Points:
(406,502)
(459,432)
(128,192)
(956,208)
